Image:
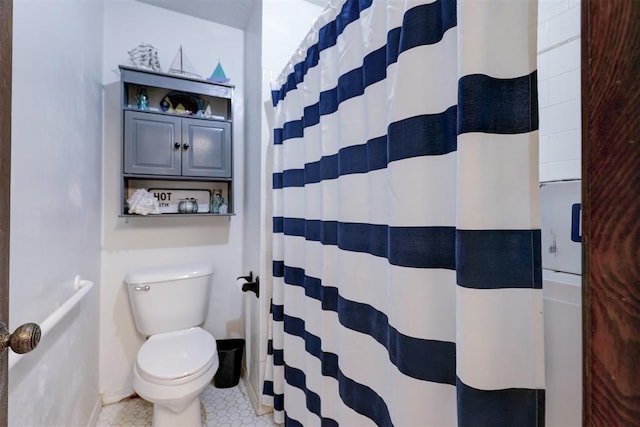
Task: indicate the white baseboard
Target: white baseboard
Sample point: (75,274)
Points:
(116,396)
(95,414)
(258,407)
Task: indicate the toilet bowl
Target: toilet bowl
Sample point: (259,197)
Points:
(171,371)
(179,358)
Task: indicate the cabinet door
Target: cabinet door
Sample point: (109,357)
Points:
(208,153)
(151,144)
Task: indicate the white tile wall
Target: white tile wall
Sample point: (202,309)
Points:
(559,89)
(564,26)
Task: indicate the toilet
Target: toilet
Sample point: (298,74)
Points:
(179,358)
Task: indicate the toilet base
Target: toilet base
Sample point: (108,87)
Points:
(191,416)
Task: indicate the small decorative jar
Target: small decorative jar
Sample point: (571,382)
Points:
(188,206)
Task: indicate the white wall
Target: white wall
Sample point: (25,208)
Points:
(136,242)
(559,89)
(56,206)
(285,23)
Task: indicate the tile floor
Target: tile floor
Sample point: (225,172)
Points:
(222,407)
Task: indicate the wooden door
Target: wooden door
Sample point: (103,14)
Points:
(6,21)
(611,211)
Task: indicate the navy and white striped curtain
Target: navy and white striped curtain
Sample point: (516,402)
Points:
(406,242)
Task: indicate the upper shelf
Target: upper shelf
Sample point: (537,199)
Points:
(144,77)
(163,90)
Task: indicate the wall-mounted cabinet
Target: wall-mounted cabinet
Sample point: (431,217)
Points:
(177,137)
(160,145)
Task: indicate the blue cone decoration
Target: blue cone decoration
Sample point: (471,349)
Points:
(218,75)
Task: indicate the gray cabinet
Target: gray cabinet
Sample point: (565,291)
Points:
(156,144)
(168,146)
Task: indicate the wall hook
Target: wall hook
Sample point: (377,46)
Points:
(251,285)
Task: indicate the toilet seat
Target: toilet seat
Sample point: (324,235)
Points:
(176,357)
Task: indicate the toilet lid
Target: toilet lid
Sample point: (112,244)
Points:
(174,355)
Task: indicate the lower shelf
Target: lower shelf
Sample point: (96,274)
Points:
(169,193)
(172,215)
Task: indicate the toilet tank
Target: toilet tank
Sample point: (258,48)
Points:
(169,298)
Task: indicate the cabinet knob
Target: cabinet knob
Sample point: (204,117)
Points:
(176,145)
(185,146)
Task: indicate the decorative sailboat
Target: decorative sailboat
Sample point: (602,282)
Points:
(218,75)
(181,65)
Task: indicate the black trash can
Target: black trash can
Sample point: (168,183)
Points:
(230,355)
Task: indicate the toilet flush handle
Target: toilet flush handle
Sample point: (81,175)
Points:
(142,288)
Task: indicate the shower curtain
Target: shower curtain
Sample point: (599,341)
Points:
(407,282)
